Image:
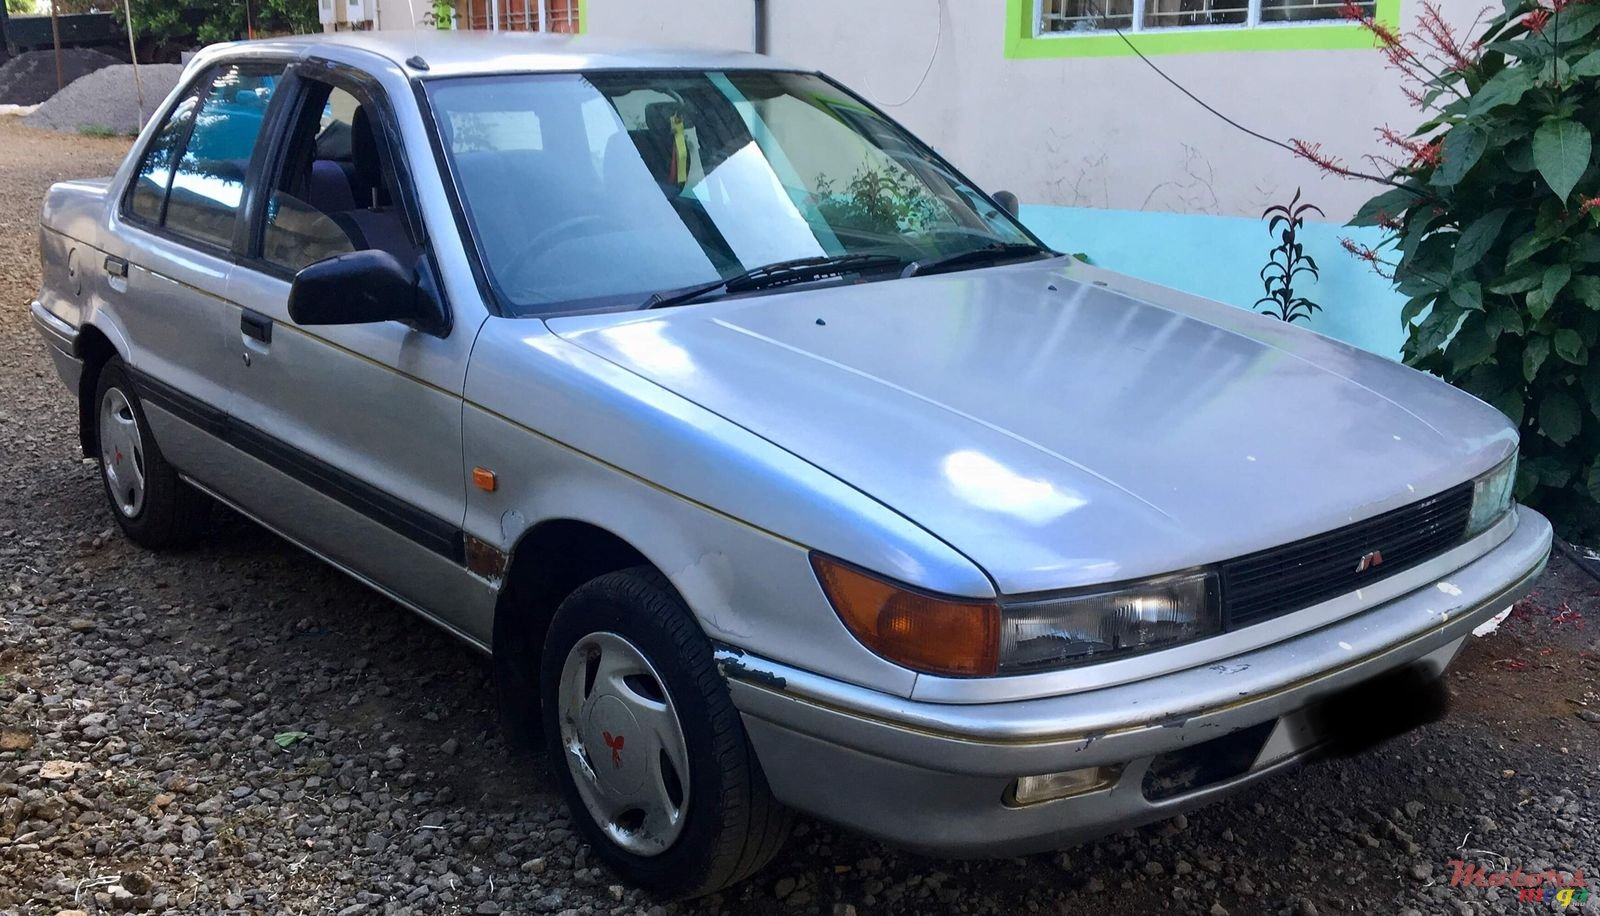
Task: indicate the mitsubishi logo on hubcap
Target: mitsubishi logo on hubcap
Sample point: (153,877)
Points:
(116,455)
(615,743)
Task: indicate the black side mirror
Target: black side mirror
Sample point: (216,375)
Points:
(363,287)
(1007,201)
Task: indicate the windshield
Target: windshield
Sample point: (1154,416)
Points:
(596,190)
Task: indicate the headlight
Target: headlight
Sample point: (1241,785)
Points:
(1056,632)
(1491,496)
(973,637)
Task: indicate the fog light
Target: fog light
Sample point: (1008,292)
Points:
(1030,790)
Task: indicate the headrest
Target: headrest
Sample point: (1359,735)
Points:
(364,150)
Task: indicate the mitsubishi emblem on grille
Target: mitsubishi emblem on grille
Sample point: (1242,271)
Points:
(1367,561)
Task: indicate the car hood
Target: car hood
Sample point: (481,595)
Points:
(1062,425)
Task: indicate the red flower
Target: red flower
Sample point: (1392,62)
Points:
(1430,155)
(1589,203)
(1370,256)
(1537,20)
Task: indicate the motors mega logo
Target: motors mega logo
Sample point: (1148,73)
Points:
(1548,886)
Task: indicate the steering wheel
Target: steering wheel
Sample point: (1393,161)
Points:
(535,250)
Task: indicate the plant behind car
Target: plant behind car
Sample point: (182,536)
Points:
(1493,214)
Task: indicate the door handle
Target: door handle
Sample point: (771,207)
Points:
(116,267)
(256,325)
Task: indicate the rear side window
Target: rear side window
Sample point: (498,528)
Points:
(197,192)
(155,172)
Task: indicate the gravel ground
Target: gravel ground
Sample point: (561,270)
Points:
(107,100)
(144,699)
(30,78)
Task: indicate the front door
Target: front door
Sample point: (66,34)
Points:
(352,432)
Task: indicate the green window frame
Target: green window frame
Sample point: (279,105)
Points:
(1024,42)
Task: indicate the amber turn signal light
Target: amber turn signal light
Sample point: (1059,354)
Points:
(484,479)
(922,631)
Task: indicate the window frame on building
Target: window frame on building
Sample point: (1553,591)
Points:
(1027,37)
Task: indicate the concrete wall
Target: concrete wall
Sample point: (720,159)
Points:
(1220,257)
(1084,132)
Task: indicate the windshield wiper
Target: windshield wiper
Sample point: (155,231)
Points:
(781,273)
(972,257)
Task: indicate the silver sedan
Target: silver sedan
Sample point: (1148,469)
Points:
(776,465)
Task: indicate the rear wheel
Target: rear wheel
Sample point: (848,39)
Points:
(646,744)
(152,505)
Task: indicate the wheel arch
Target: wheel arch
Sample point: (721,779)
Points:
(548,562)
(95,348)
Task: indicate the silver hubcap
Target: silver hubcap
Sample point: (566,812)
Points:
(121,452)
(624,744)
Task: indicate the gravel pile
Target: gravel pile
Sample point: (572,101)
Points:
(239,729)
(106,100)
(30,78)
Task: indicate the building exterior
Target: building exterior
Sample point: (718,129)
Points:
(1038,97)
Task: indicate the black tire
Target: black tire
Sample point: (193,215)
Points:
(173,514)
(732,826)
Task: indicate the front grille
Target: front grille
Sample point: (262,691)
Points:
(1297,575)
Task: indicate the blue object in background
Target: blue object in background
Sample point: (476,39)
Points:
(1220,257)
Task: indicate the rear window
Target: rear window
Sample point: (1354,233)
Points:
(191,180)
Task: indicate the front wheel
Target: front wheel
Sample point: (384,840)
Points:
(646,744)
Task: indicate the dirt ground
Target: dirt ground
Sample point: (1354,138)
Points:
(144,698)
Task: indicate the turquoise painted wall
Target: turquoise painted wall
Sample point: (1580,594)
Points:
(1220,257)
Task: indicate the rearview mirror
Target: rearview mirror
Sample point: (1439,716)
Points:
(364,287)
(1007,201)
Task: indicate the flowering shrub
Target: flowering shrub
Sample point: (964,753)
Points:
(1494,230)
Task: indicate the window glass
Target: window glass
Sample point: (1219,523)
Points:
(155,172)
(208,182)
(645,182)
(1166,14)
(336,193)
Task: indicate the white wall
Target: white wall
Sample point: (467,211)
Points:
(1101,132)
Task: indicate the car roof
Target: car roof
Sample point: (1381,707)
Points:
(457,53)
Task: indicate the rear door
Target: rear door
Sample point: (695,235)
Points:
(178,227)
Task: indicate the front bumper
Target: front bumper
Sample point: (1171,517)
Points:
(935,777)
(61,339)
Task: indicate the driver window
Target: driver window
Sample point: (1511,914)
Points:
(337,192)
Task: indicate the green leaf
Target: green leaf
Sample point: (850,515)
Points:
(1559,417)
(1569,346)
(1538,305)
(1504,88)
(1526,247)
(1574,22)
(1463,147)
(1533,356)
(1434,330)
(1587,289)
(1588,65)
(1468,295)
(287,740)
(1561,150)
(1526,278)
(1502,320)
(1478,238)
(1519,155)
(1548,470)
(1470,346)
(1554,281)
(1392,203)
(1413,308)
(1594,480)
